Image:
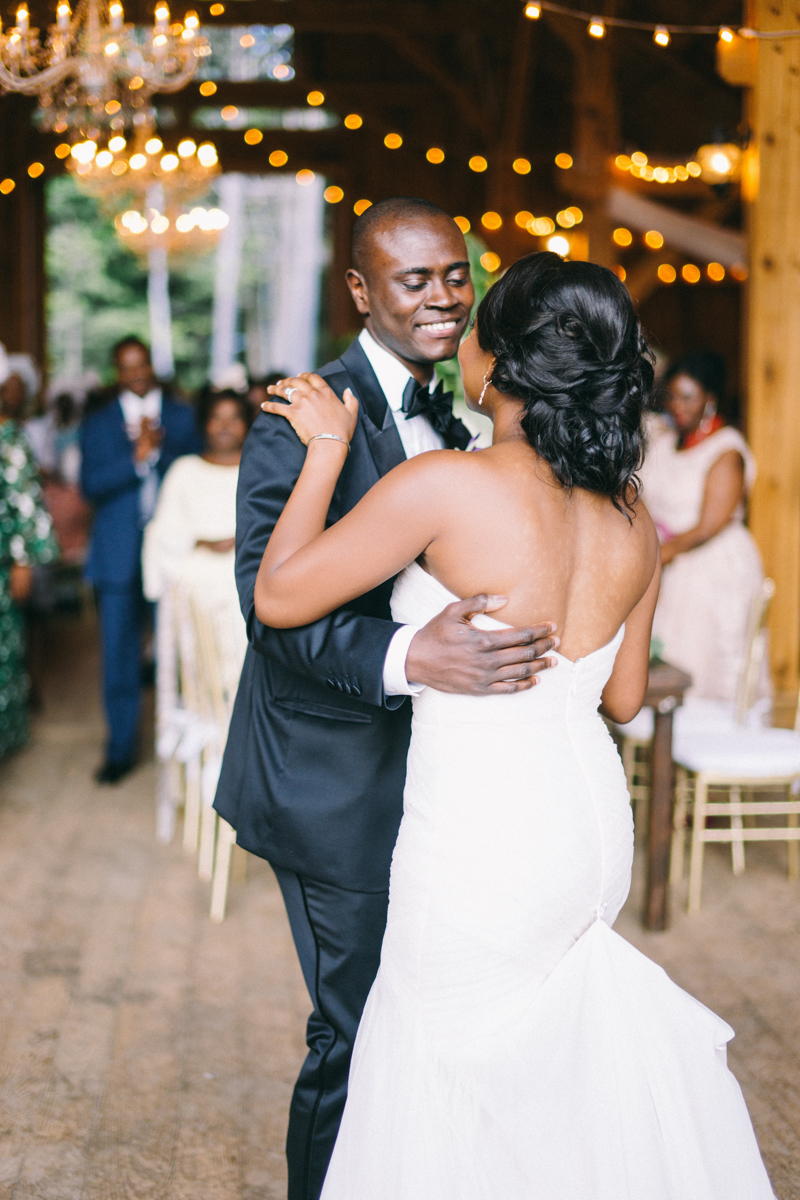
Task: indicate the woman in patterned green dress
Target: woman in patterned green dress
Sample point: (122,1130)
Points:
(26,537)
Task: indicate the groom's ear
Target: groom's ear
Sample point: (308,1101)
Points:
(358,290)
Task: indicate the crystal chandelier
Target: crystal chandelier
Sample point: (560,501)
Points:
(150,190)
(120,171)
(94,71)
(159,225)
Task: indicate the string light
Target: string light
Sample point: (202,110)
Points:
(523,218)
(7,186)
(491,220)
(435,155)
(35,170)
(654,239)
(490,261)
(315,99)
(353,121)
(623,237)
(305,177)
(715,272)
(478,163)
(564,161)
(521,166)
(661,36)
(333,195)
(558,245)
(393,141)
(278,158)
(361,206)
(667,273)
(690,273)
(253,137)
(597,26)
(463,224)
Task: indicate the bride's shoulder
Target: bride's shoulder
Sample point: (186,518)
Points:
(434,466)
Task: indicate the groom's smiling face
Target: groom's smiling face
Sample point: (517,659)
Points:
(414,289)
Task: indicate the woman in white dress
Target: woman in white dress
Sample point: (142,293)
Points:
(190,541)
(696,476)
(513,1047)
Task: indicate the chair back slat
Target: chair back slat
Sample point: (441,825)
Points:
(755,650)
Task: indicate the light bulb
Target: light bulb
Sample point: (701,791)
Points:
(597,29)
(661,36)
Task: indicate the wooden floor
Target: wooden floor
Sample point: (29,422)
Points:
(146,1053)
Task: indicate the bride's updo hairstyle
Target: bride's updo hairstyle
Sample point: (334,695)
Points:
(567,342)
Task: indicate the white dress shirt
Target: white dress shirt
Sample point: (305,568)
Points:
(136,408)
(417,436)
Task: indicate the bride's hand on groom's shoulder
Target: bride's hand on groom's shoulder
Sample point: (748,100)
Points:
(453,655)
(313,409)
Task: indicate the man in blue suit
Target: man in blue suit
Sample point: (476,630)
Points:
(127,446)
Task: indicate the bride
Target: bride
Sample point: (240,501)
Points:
(513,1047)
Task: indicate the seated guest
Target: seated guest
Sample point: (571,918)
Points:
(190,540)
(696,477)
(127,444)
(25,539)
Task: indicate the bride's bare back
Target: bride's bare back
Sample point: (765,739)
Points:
(507,527)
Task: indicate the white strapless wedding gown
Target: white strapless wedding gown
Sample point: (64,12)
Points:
(513,1047)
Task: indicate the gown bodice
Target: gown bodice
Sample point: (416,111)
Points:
(572,689)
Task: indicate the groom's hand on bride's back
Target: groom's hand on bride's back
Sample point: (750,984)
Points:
(452,655)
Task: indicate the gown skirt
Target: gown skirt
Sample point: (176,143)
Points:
(513,1047)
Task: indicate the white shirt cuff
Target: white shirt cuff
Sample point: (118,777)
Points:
(394,665)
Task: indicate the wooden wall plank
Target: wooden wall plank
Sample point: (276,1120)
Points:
(774,337)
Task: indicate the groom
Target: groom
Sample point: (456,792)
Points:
(313,773)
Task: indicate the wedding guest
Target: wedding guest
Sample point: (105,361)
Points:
(191,538)
(26,538)
(55,438)
(696,477)
(20,386)
(127,445)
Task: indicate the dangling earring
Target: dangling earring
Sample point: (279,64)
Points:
(709,412)
(486,382)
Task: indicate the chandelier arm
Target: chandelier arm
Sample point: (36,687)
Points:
(30,85)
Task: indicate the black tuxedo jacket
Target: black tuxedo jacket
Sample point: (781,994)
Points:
(313,772)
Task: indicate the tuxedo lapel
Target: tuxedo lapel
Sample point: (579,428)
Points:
(379,424)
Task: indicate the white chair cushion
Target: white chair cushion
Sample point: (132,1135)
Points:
(695,715)
(740,752)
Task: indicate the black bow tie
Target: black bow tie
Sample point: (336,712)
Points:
(437,405)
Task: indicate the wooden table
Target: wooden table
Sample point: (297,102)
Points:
(665,690)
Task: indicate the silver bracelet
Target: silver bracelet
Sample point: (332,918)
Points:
(331,437)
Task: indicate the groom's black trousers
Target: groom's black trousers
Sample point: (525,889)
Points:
(338,935)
